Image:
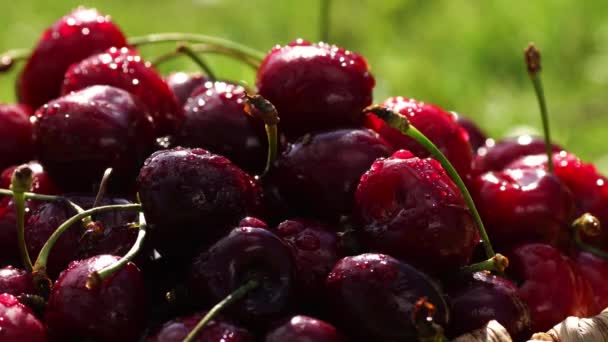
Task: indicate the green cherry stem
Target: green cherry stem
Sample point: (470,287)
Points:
(197,38)
(231,298)
(39,269)
(259,107)
(532,57)
(207,49)
(103,185)
(20,182)
(31,195)
(97,278)
(402,124)
(8,58)
(588,225)
(324,20)
(498,263)
(187,50)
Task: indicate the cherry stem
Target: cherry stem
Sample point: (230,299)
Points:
(96,278)
(8,58)
(206,48)
(427,329)
(498,263)
(231,298)
(42,260)
(197,38)
(590,226)
(186,49)
(102,186)
(532,57)
(31,195)
(21,181)
(260,108)
(402,124)
(324,19)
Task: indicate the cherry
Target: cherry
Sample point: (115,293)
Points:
(594,269)
(477,137)
(215,120)
(124,68)
(74,37)
(483,297)
(183,84)
(111,233)
(41,181)
(219,329)
(191,197)
(18,323)
(315,86)
(9,250)
(304,329)
(519,205)
(16,281)
(435,123)
(114,310)
(81,134)
(495,156)
(549,283)
(247,254)
(251,221)
(316,250)
(375,295)
(409,208)
(17,144)
(317,175)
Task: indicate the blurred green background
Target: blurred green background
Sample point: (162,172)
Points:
(462,55)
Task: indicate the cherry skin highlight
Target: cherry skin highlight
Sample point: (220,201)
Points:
(123,68)
(192,197)
(374,296)
(15,281)
(409,208)
(218,329)
(435,123)
(81,134)
(17,143)
(304,329)
(18,322)
(76,36)
(215,120)
(315,86)
(182,84)
(114,310)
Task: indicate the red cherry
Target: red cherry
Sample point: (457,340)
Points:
(477,137)
(304,329)
(435,123)
(9,250)
(15,281)
(217,330)
(182,84)
(124,68)
(315,86)
(18,323)
(409,208)
(550,284)
(74,37)
(595,270)
(17,144)
(41,181)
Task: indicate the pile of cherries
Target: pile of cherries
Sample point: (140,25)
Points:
(143,207)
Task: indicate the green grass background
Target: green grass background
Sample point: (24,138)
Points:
(462,55)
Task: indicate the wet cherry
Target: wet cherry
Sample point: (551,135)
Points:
(477,137)
(15,281)
(18,323)
(304,329)
(41,181)
(218,329)
(182,84)
(17,145)
(594,269)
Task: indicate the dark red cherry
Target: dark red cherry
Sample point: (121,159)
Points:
(477,137)
(113,311)
(409,208)
(182,84)
(304,329)
(15,281)
(595,270)
(74,37)
(77,242)
(374,295)
(483,297)
(215,120)
(41,181)
(218,329)
(9,248)
(191,197)
(495,156)
(589,188)
(18,322)
(316,250)
(246,254)
(251,221)
(16,145)
(123,68)
(81,134)
(550,284)
(438,125)
(317,175)
(522,205)
(315,86)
